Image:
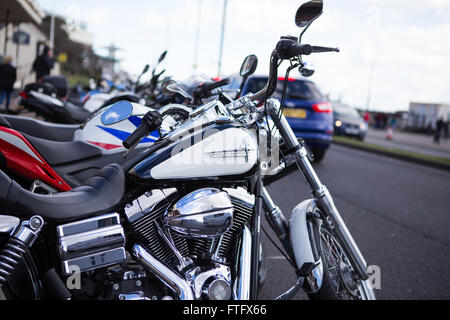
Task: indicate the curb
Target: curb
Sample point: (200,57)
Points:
(425,162)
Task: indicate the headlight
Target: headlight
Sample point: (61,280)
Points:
(363,126)
(338,123)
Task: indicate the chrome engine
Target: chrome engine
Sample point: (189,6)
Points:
(196,234)
(91,244)
(192,243)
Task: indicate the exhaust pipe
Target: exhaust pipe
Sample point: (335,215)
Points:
(164,273)
(241,286)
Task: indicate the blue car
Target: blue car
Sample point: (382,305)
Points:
(306,109)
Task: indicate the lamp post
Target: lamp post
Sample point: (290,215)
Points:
(224,16)
(197,37)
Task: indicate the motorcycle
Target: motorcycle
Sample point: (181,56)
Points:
(181,220)
(51,158)
(46,100)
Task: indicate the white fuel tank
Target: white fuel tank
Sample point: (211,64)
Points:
(109,127)
(220,152)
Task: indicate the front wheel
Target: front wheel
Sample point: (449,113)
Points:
(338,274)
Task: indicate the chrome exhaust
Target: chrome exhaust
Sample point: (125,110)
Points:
(241,286)
(180,286)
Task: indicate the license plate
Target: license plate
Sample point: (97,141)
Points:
(295,113)
(352,131)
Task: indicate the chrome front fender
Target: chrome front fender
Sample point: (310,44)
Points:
(306,254)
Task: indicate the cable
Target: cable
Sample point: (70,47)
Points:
(279,249)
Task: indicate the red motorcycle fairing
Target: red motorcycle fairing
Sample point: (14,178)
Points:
(24,160)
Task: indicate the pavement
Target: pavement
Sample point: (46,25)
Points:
(397,211)
(413,142)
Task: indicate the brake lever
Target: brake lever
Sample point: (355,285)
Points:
(319,49)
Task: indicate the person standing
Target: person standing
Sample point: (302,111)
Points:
(8,76)
(439,128)
(446,124)
(43,63)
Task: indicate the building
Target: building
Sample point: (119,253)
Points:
(72,47)
(20,36)
(425,115)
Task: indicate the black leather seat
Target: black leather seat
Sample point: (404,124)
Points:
(39,129)
(98,195)
(77,113)
(57,152)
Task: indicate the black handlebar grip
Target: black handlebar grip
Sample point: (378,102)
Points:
(287,49)
(137,134)
(150,122)
(300,49)
(216,84)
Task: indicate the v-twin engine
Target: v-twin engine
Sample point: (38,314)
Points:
(204,256)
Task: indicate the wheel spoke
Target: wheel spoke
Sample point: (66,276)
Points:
(334,255)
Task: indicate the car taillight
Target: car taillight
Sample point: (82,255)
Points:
(324,107)
(289,79)
(23,94)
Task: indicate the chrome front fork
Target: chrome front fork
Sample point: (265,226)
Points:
(321,194)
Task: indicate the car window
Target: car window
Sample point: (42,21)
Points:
(342,110)
(255,84)
(296,89)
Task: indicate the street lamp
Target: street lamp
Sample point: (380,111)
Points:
(222,36)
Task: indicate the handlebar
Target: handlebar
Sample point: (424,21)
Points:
(209,86)
(317,49)
(289,48)
(150,122)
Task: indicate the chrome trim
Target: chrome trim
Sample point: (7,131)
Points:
(180,286)
(95,240)
(174,106)
(8,224)
(366,290)
(198,280)
(314,280)
(165,234)
(241,285)
(204,213)
(92,243)
(133,296)
(90,224)
(304,251)
(146,203)
(95,261)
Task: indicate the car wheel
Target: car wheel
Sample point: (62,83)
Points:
(319,154)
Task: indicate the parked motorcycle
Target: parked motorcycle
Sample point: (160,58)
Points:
(181,220)
(50,158)
(46,99)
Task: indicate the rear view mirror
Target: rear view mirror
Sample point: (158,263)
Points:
(308,12)
(162,56)
(249,66)
(247,69)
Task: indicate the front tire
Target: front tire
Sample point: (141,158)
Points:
(337,283)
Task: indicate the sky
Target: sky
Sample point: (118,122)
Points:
(392,52)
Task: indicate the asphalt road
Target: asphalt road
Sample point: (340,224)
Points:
(398,213)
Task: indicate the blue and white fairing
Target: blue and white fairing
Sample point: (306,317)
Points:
(109,127)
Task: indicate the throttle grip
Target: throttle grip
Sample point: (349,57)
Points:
(150,122)
(289,48)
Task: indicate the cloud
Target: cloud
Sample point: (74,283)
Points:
(97,16)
